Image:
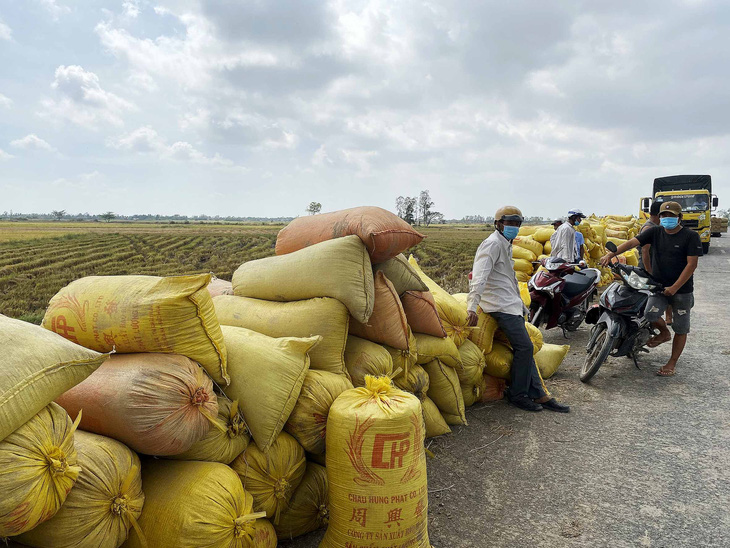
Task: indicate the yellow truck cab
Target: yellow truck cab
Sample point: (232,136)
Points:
(694,194)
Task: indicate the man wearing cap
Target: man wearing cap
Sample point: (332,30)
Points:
(563,242)
(674,254)
(494,289)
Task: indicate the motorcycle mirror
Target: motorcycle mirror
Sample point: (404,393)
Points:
(611,247)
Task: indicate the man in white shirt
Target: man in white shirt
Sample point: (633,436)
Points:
(563,241)
(494,289)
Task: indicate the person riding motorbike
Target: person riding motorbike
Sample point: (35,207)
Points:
(563,241)
(494,289)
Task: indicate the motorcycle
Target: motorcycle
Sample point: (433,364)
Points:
(619,326)
(560,294)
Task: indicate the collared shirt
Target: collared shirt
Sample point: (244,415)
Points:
(494,285)
(563,243)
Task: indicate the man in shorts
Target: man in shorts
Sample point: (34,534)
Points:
(674,255)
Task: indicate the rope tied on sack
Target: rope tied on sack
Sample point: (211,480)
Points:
(243,526)
(120,505)
(199,398)
(56,457)
(236,425)
(282,488)
(323,514)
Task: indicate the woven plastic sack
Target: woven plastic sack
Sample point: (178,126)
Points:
(543,234)
(266,378)
(533,332)
(431,348)
(321,316)
(308,508)
(483,334)
(385,234)
(157,404)
(227,438)
(435,423)
(522,277)
(404,359)
(499,361)
(529,230)
(191,504)
(550,357)
(548,248)
(142,314)
(492,388)
(104,504)
(522,265)
(308,420)
(623,218)
(471,393)
(421,313)
(525,294)
(416,381)
(272,477)
(37,366)
(366,358)
(387,324)
(401,274)
(473,363)
(522,253)
(376,467)
(529,243)
(38,463)
(445,390)
(453,316)
(219,287)
(338,268)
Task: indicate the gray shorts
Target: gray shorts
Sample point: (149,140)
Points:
(681,304)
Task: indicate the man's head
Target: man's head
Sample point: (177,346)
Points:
(575,216)
(670,213)
(556,223)
(508,220)
(654,211)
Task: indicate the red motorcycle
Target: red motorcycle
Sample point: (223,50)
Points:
(560,294)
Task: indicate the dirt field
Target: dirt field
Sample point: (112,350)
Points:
(641,460)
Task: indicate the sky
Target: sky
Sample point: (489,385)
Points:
(258,107)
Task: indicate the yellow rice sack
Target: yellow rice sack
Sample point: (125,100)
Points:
(543,234)
(549,358)
(529,243)
(272,477)
(266,378)
(308,420)
(632,257)
(471,393)
(483,334)
(548,248)
(189,504)
(523,277)
(321,316)
(37,366)
(600,231)
(226,439)
(104,504)
(529,230)
(622,218)
(404,359)
(401,274)
(338,268)
(435,423)
(416,382)
(445,390)
(522,265)
(473,364)
(499,361)
(376,466)
(366,358)
(38,463)
(522,253)
(142,314)
(453,316)
(525,294)
(431,348)
(308,508)
(617,241)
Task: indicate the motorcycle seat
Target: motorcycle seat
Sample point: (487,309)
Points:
(576,283)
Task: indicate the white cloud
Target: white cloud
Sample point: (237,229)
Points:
(56,10)
(131,8)
(4,155)
(82,101)
(6,32)
(32,142)
(5,101)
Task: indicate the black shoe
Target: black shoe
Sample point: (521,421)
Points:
(523,402)
(553,405)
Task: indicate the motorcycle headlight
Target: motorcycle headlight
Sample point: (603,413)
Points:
(636,281)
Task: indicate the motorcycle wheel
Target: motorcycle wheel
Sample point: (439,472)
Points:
(602,347)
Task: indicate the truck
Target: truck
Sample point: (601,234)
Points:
(694,194)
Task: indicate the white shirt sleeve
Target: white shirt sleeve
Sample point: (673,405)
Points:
(564,244)
(483,265)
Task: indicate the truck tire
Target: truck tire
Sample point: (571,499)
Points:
(705,248)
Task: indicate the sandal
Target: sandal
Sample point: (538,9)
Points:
(665,372)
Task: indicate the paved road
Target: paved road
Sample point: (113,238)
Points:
(641,460)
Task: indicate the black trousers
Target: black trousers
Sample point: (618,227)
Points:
(524,378)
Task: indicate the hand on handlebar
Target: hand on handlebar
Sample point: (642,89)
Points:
(669,291)
(607,258)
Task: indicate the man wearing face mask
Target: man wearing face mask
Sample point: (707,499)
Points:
(674,254)
(563,242)
(494,289)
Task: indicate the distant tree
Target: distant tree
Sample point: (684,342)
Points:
(58,214)
(400,206)
(314,208)
(723,213)
(426,214)
(108,216)
(436,217)
(409,210)
(473,219)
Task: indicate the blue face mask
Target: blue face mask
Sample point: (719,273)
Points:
(669,222)
(510,232)
(577,222)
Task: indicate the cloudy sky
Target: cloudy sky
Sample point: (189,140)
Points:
(257,107)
